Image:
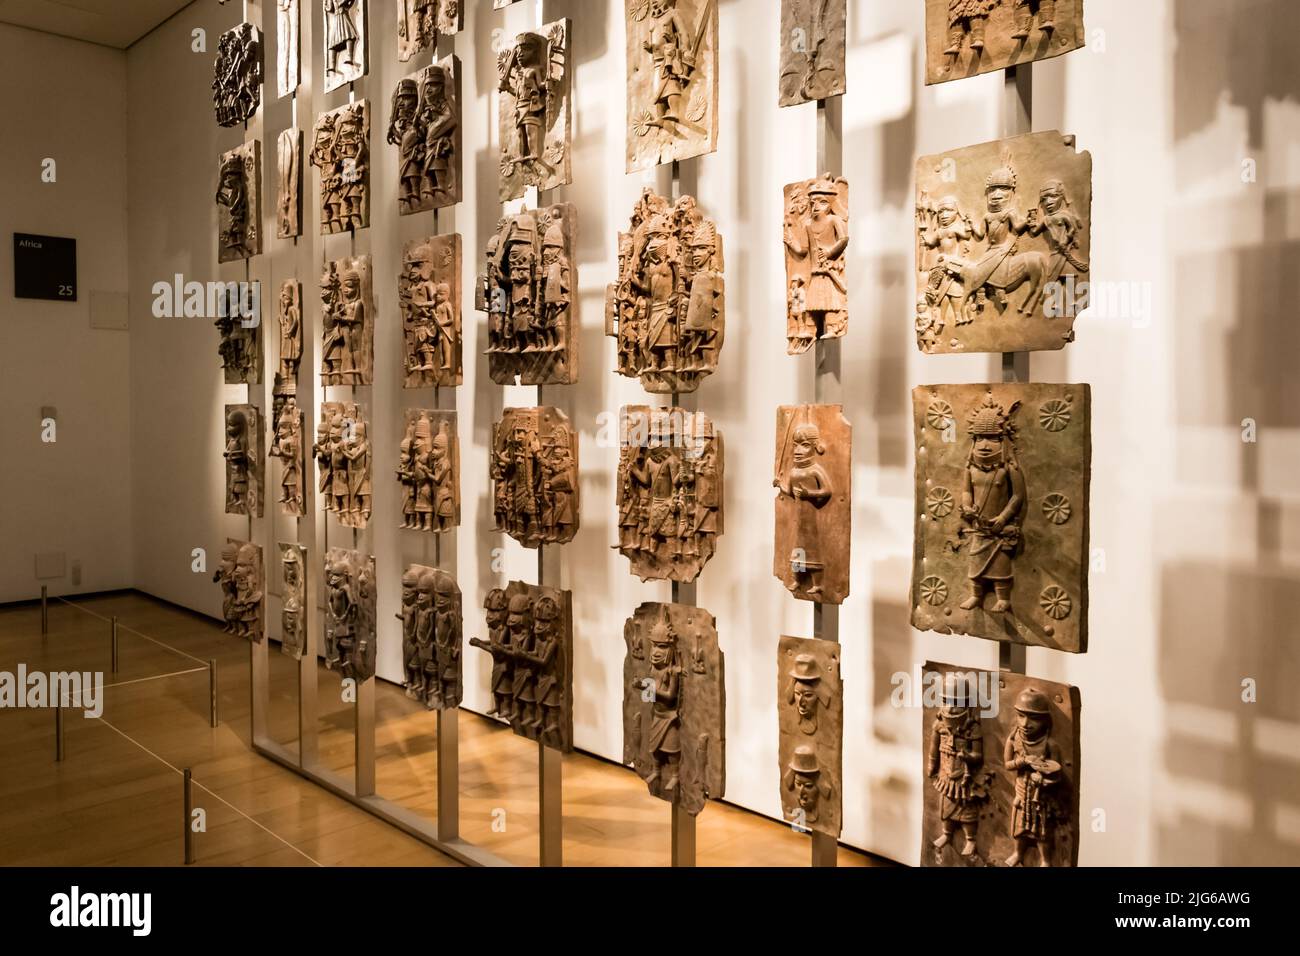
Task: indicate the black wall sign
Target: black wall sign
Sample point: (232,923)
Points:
(45,267)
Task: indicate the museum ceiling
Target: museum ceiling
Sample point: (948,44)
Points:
(109,22)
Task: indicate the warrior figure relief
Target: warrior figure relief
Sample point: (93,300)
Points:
(955,761)
(993,504)
(342,453)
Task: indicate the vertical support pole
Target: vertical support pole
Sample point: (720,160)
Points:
(448,775)
(307,667)
(45,610)
(683,837)
(828,389)
(58,731)
(550,796)
(365,738)
(187,783)
(1017,119)
(258,689)
(212,693)
(113,642)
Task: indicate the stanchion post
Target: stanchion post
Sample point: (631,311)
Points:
(45,610)
(113,635)
(187,783)
(212,692)
(58,732)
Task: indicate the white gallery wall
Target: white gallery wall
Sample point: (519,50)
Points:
(64,101)
(1196,532)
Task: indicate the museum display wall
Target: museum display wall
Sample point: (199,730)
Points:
(65,355)
(1165,414)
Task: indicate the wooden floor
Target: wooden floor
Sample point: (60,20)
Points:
(116,800)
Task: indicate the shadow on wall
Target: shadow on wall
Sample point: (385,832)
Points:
(1229,784)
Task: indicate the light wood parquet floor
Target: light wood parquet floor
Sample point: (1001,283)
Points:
(116,800)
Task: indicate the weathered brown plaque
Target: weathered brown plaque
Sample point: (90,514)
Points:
(428,469)
(343,460)
(810,709)
(239,203)
(421,22)
(672,80)
(812,50)
(968,37)
(293,599)
(816,237)
(530,638)
(344,42)
(243,589)
(290,448)
(341,151)
(431,637)
(1004,235)
(424,125)
(1001,768)
(814,501)
(668,307)
(1001,548)
(534,469)
(289,318)
(288,202)
(529,291)
(350,614)
(674,704)
(245,478)
(534,112)
(669,496)
(239,328)
(288,66)
(428,296)
(237,75)
(348,322)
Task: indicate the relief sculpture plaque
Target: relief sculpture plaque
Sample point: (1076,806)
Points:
(1003,238)
(667,309)
(288,200)
(530,638)
(669,493)
(534,470)
(350,614)
(293,600)
(348,322)
(239,331)
(428,469)
(672,80)
(237,75)
(341,151)
(431,637)
(1001,770)
(968,37)
(529,291)
(243,453)
(816,237)
(1001,544)
(239,203)
(343,459)
(428,296)
(421,22)
(288,66)
(674,704)
(288,446)
(243,590)
(810,708)
(814,501)
(812,50)
(344,42)
(534,111)
(424,125)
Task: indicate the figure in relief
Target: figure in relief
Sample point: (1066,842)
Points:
(533,83)
(955,762)
(288,447)
(341,151)
(992,506)
(1035,760)
(428,470)
(816,242)
(424,125)
(428,295)
(805,482)
(240,577)
(350,614)
(431,637)
(534,469)
(237,75)
(342,453)
(293,608)
(344,46)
